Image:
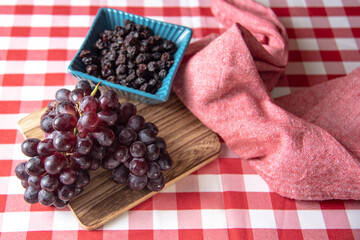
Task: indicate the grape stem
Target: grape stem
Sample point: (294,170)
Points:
(95,89)
(78,108)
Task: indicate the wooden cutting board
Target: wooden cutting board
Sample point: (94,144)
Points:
(190,144)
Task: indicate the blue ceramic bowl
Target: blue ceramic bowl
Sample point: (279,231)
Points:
(107,19)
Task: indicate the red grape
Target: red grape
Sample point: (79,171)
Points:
(88,104)
(84,85)
(84,143)
(64,142)
(67,107)
(49,182)
(108,117)
(95,164)
(62,95)
(109,161)
(136,122)
(52,105)
(34,182)
(77,95)
(165,162)
(60,203)
(46,124)
(120,174)
(55,163)
(160,142)
(108,100)
(138,166)
(29,147)
(98,151)
(137,149)
(66,192)
(31,195)
(152,152)
(121,153)
(104,136)
(24,183)
(147,136)
(127,110)
(67,175)
(20,171)
(137,182)
(82,179)
(156,184)
(64,122)
(45,147)
(81,161)
(153,170)
(89,121)
(35,166)
(127,136)
(77,191)
(150,125)
(46,198)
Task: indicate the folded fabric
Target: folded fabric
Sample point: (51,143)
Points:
(305,145)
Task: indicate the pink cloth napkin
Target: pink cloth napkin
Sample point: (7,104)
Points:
(306,145)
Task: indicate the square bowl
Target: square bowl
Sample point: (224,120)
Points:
(107,19)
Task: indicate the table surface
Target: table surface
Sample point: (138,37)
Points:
(224,200)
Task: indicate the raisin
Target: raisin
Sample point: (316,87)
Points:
(135,34)
(114,46)
(162,73)
(151,41)
(165,57)
(87,60)
(143,49)
(111,55)
(152,82)
(131,71)
(144,87)
(121,76)
(152,66)
(141,70)
(156,55)
(107,70)
(169,46)
(131,77)
(128,25)
(131,64)
(141,58)
(169,64)
(104,51)
(121,69)
(161,64)
(121,59)
(91,69)
(138,82)
(100,44)
(131,52)
(131,40)
(111,78)
(85,53)
(124,82)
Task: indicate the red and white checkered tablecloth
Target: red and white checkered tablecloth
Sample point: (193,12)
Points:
(224,200)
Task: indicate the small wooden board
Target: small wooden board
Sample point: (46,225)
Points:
(190,144)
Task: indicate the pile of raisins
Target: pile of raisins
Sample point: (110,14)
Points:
(131,56)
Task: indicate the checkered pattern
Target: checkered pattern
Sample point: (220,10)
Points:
(224,200)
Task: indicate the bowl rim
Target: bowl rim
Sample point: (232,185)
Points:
(164,97)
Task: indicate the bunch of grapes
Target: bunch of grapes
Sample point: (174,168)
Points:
(84,130)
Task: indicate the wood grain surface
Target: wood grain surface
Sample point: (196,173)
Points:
(190,144)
